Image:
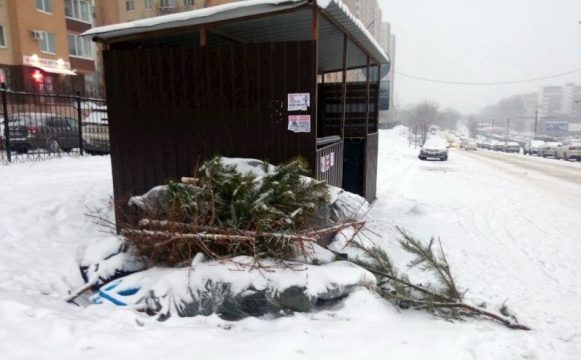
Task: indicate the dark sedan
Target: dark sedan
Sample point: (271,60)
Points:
(33,131)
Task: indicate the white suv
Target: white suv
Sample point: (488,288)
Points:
(569,150)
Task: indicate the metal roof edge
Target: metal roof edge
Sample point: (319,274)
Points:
(334,9)
(192,18)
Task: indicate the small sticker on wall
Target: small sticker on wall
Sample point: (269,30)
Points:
(327,162)
(299,101)
(299,123)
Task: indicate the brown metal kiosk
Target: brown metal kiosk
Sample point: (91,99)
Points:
(245,79)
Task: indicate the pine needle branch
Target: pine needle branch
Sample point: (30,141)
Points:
(444,301)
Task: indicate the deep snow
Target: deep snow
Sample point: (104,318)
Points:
(506,238)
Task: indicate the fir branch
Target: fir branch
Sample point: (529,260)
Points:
(445,301)
(431,261)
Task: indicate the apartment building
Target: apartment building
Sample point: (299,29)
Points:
(561,100)
(117,11)
(39,46)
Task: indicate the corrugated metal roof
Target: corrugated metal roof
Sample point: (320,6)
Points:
(283,24)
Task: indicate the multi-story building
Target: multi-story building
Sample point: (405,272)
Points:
(117,11)
(39,46)
(561,100)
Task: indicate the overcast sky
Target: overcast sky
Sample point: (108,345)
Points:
(482,41)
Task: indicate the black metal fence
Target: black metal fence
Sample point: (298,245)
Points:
(37,126)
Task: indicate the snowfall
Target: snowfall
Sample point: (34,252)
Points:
(511,234)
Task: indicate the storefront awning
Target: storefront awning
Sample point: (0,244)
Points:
(57,70)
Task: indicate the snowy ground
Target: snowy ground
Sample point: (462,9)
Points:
(509,235)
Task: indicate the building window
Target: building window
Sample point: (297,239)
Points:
(189,3)
(148,4)
(80,47)
(44,5)
(47,42)
(165,4)
(79,10)
(2,37)
(129,5)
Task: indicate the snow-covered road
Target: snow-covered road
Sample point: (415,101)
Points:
(511,227)
(508,235)
(531,167)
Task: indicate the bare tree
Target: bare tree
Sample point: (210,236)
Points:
(421,117)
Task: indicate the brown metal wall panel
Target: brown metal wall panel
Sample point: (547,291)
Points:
(170,108)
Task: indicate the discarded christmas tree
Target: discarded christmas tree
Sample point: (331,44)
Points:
(225,213)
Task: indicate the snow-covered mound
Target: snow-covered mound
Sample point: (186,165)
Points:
(107,259)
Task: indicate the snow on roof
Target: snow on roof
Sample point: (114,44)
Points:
(335,9)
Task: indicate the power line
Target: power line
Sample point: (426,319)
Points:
(449,82)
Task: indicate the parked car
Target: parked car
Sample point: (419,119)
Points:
(569,150)
(499,146)
(434,148)
(531,147)
(33,131)
(548,149)
(486,145)
(512,147)
(96,132)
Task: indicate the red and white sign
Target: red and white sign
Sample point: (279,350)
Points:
(299,123)
(34,60)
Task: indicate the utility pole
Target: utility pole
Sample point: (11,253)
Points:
(507,128)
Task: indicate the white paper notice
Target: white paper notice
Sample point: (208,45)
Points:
(327,162)
(299,123)
(299,102)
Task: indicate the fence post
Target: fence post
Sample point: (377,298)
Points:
(6,126)
(80,120)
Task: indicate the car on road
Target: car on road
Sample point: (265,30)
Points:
(569,150)
(34,131)
(549,149)
(434,148)
(471,145)
(512,147)
(531,147)
(499,146)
